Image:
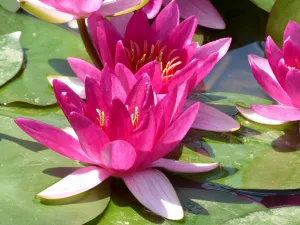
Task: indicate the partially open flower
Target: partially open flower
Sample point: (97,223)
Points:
(62,11)
(279,76)
(121,134)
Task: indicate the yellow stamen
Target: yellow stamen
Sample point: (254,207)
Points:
(135,117)
(101,118)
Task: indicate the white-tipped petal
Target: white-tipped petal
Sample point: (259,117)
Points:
(70,131)
(249,114)
(153,189)
(77,182)
(73,82)
(184,167)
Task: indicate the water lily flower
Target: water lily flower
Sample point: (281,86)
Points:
(279,76)
(205,12)
(164,50)
(63,11)
(120,135)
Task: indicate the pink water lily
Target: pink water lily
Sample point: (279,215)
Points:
(205,12)
(164,50)
(66,10)
(279,76)
(120,134)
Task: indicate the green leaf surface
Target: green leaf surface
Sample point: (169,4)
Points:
(46,48)
(282,12)
(11,56)
(10,5)
(27,168)
(202,207)
(256,156)
(264,4)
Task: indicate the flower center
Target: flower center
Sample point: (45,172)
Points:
(138,57)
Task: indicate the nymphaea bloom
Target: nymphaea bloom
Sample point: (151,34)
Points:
(279,76)
(63,11)
(120,135)
(164,50)
(205,12)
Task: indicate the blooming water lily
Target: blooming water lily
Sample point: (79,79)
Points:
(120,134)
(205,12)
(165,51)
(279,76)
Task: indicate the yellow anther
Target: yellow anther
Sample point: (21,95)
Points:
(101,118)
(135,117)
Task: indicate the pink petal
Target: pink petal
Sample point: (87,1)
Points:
(267,80)
(138,21)
(282,70)
(249,114)
(80,181)
(73,82)
(182,93)
(166,21)
(203,70)
(120,22)
(138,94)
(152,8)
(220,46)
(111,7)
(211,119)
(121,56)
(68,100)
(54,138)
(184,74)
(125,76)
(96,100)
(183,34)
(46,12)
(205,12)
(274,54)
(90,135)
(175,133)
(153,70)
(76,7)
(70,131)
(119,123)
(105,36)
(82,68)
(118,155)
(184,167)
(292,86)
(142,138)
(291,53)
(277,112)
(153,189)
(292,30)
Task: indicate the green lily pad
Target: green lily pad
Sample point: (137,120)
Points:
(10,5)
(11,56)
(264,4)
(282,12)
(45,53)
(256,156)
(27,168)
(202,207)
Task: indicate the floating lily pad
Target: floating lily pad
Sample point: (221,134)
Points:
(11,56)
(264,4)
(10,5)
(27,168)
(282,12)
(47,47)
(255,157)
